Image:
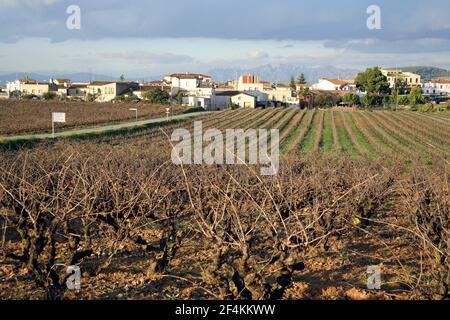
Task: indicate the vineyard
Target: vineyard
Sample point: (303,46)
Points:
(355,189)
(358,135)
(18,117)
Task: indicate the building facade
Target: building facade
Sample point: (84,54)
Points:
(30,87)
(224,100)
(392,75)
(106,91)
(327,84)
(187,82)
(437,88)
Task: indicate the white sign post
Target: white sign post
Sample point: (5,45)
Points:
(135,110)
(167,113)
(57,117)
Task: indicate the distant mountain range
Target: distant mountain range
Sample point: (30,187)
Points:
(284,72)
(278,73)
(274,73)
(75,77)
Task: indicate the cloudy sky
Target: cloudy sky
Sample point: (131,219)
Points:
(156,36)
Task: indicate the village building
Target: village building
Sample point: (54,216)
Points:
(187,82)
(327,84)
(226,99)
(281,94)
(249,83)
(61,82)
(392,75)
(78,90)
(199,102)
(158,84)
(30,87)
(437,88)
(106,91)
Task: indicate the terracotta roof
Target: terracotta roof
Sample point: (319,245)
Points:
(340,82)
(188,75)
(441,81)
(336,92)
(101,82)
(78,85)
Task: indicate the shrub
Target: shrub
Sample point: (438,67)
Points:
(326,100)
(157,96)
(49,95)
(425,207)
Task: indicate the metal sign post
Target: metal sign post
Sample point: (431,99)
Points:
(135,110)
(57,117)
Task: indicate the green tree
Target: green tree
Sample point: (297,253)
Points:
(325,100)
(16,94)
(389,100)
(305,97)
(50,95)
(375,84)
(180,98)
(301,79)
(91,97)
(292,83)
(403,100)
(415,97)
(157,96)
(351,99)
(401,86)
(122,77)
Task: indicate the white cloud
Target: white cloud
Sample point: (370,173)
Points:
(257,54)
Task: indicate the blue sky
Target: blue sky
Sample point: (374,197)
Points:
(152,37)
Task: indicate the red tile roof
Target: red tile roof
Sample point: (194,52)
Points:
(188,75)
(340,82)
(101,82)
(441,81)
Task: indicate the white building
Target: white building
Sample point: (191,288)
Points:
(279,93)
(261,98)
(326,84)
(200,102)
(187,81)
(222,100)
(14,86)
(249,83)
(200,97)
(78,90)
(437,87)
(392,75)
